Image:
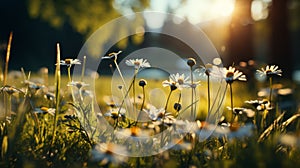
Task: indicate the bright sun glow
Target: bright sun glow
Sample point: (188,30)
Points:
(196,11)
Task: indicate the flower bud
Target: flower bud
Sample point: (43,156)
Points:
(191,62)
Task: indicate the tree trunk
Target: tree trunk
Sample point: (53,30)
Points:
(240,45)
(280,53)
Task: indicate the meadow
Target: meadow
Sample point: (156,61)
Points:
(209,117)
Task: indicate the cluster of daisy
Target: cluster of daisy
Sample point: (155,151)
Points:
(134,115)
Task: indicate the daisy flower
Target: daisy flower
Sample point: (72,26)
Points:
(269,71)
(231,74)
(138,63)
(113,113)
(177,81)
(113,56)
(33,85)
(44,110)
(154,113)
(240,110)
(78,84)
(109,153)
(260,105)
(69,62)
(111,101)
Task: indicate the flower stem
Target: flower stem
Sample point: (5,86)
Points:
(163,118)
(83,68)
(231,101)
(70,80)
(192,98)
(271,89)
(168,99)
(142,106)
(133,92)
(120,73)
(208,94)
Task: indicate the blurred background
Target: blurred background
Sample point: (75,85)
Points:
(246,33)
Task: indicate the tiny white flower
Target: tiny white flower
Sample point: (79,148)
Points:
(78,84)
(138,63)
(109,153)
(69,62)
(270,71)
(44,110)
(231,74)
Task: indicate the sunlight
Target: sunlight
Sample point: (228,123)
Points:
(198,11)
(259,10)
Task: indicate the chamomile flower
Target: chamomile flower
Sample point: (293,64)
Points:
(33,85)
(78,84)
(113,56)
(260,105)
(154,112)
(109,153)
(240,111)
(111,101)
(270,71)
(231,74)
(138,63)
(115,113)
(177,81)
(45,110)
(69,62)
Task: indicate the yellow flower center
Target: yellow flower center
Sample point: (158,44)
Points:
(68,61)
(180,81)
(229,74)
(45,109)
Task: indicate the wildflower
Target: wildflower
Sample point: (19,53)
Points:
(191,62)
(86,93)
(45,110)
(260,105)
(109,153)
(142,83)
(111,101)
(113,56)
(69,62)
(230,74)
(49,96)
(177,81)
(208,69)
(10,89)
(270,71)
(154,113)
(138,63)
(177,107)
(240,110)
(160,115)
(114,113)
(166,118)
(179,144)
(78,84)
(133,132)
(33,85)
(241,132)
